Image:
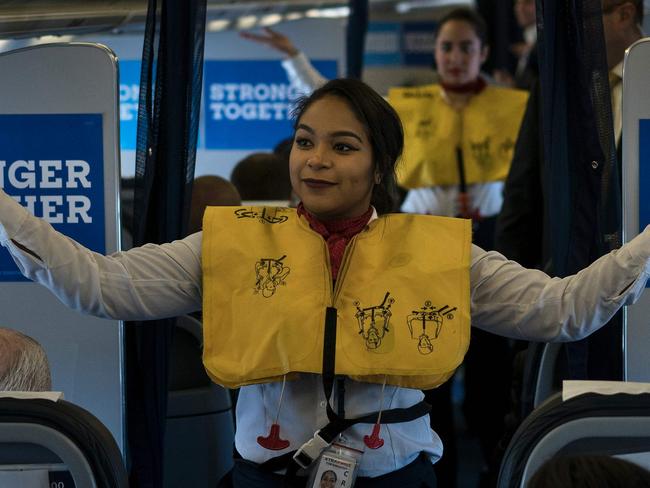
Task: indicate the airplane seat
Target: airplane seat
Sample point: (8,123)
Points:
(59,437)
(200,430)
(590,423)
(541,379)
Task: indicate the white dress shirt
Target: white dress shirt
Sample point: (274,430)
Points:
(156,281)
(486,198)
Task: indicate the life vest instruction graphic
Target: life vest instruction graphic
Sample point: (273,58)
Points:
(374,321)
(268,215)
(429,316)
(481,151)
(269,274)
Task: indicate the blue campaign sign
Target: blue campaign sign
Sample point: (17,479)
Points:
(248,103)
(383,44)
(418,40)
(129,93)
(53,164)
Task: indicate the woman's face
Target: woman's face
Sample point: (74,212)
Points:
(458,52)
(331,161)
(328,480)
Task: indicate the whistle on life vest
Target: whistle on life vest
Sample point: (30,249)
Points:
(373,441)
(273,441)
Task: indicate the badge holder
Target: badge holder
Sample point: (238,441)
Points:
(337,467)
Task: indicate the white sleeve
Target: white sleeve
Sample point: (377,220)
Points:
(302,74)
(513,301)
(487,198)
(153,281)
(434,200)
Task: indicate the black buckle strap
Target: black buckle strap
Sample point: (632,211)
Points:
(311,450)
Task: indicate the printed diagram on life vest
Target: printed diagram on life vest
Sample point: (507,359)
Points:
(481,151)
(374,321)
(424,128)
(506,147)
(267,215)
(269,274)
(425,324)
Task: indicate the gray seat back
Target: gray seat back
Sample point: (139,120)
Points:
(200,429)
(60,436)
(587,424)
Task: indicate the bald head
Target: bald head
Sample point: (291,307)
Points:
(23,363)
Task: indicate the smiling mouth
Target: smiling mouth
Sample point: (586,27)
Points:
(314,183)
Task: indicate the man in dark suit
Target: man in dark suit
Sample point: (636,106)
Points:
(523,231)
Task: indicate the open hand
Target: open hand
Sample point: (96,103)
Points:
(273,39)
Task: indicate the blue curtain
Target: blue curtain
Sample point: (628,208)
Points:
(581,166)
(168,118)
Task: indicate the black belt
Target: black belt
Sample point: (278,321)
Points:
(418,473)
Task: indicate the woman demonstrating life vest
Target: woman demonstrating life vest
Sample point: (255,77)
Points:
(297,416)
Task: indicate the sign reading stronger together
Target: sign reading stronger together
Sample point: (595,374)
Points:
(248,103)
(52,164)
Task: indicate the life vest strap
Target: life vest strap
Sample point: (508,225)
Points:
(312,449)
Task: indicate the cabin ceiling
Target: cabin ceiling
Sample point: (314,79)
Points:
(31,18)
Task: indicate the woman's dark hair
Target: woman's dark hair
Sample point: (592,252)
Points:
(382,124)
(589,471)
(472,17)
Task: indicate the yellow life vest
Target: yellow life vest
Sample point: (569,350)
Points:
(486,131)
(401,298)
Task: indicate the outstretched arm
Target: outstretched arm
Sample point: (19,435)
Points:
(143,283)
(273,39)
(300,71)
(513,301)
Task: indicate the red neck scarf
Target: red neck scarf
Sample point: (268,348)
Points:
(475,87)
(337,233)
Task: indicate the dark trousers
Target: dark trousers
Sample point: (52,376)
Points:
(418,474)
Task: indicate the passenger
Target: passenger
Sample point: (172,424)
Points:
(394,309)
(210,190)
(262,176)
(589,471)
(23,363)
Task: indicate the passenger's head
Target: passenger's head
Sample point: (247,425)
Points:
(461,46)
(589,472)
(210,191)
(328,479)
(23,363)
(262,176)
(346,145)
(622,21)
(525,13)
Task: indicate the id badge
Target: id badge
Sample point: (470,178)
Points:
(337,467)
